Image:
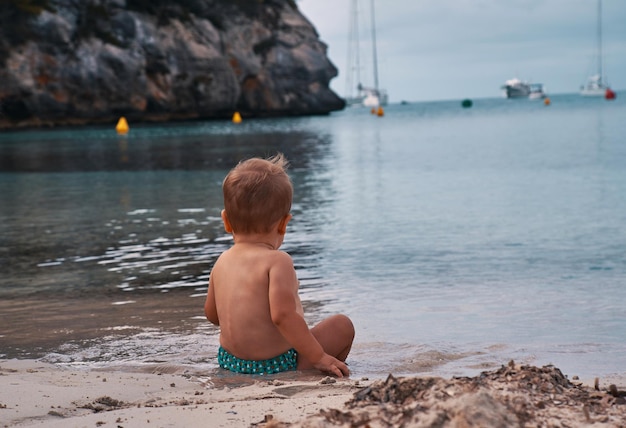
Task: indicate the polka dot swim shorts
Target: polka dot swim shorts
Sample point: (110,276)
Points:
(282,363)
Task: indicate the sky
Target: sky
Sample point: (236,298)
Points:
(455,49)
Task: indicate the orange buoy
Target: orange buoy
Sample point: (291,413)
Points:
(236,117)
(546,101)
(122,126)
(380,112)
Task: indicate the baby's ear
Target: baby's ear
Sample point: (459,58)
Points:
(282,224)
(227,226)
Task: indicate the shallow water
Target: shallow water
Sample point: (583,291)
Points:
(456,239)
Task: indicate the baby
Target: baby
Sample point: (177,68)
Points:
(253,288)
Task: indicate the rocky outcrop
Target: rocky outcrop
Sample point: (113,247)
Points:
(65,62)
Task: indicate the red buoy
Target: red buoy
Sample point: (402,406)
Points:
(609,94)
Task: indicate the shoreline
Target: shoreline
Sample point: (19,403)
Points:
(34,393)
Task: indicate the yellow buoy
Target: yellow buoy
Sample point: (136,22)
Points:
(546,101)
(236,117)
(380,112)
(122,126)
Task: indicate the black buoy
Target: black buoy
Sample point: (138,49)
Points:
(466,103)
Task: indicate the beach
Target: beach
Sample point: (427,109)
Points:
(33,393)
(455,239)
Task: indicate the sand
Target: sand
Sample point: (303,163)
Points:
(33,393)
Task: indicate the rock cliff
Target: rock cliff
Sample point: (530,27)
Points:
(66,62)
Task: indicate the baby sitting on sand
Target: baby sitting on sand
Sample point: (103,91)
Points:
(253,288)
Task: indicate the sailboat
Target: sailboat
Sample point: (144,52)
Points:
(367,96)
(597,85)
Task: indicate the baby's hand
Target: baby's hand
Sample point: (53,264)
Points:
(330,364)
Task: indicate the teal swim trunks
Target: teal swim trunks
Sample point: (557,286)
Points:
(282,363)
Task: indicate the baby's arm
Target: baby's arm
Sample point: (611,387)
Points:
(284,304)
(210,310)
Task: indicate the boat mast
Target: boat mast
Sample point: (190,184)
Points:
(354,60)
(600,62)
(374,55)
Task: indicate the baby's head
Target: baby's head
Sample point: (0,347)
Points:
(257,194)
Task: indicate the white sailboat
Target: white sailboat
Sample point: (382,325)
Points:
(367,96)
(596,85)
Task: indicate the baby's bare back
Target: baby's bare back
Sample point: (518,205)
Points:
(241,284)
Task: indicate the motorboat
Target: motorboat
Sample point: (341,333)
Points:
(517,88)
(537,91)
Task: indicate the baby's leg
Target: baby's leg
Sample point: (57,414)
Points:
(335,334)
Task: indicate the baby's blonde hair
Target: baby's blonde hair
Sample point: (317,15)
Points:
(257,194)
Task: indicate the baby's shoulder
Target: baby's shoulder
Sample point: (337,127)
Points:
(282,257)
(260,257)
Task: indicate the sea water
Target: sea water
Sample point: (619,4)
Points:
(455,238)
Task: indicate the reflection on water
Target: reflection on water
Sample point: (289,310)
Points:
(72,232)
(83,209)
(91,219)
(147,149)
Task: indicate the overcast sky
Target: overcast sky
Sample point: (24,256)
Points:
(455,49)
